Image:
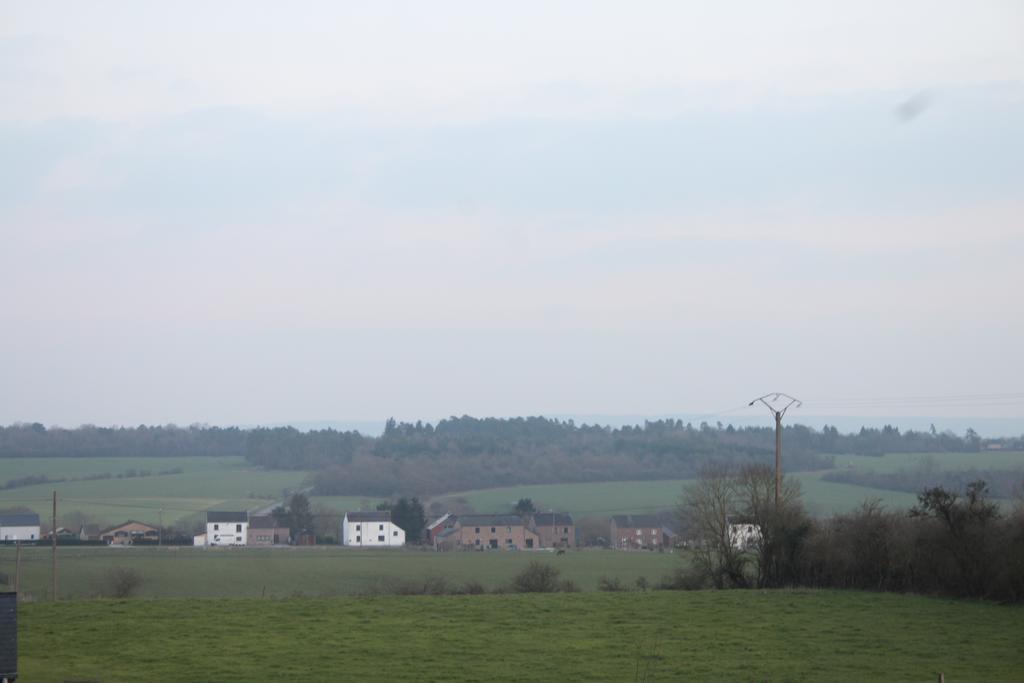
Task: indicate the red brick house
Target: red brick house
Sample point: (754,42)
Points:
(555,529)
(634,532)
(488,532)
(265,530)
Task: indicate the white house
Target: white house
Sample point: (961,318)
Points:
(743,535)
(22,526)
(371,530)
(227,528)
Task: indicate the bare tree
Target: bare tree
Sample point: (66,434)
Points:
(707,507)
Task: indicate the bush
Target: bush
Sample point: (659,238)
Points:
(611,585)
(122,582)
(537,577)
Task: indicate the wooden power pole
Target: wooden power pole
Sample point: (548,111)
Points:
(53,536)
(768,400)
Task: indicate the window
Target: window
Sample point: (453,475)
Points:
(508,541)
(492,529)
(494,543)
(216,527)
(381,538)
(478,529)
(238,538)
(565,530)
(380,528)
(394,533)
(359,527)
(359,539)
(477,541)
(238,528)
(508,529)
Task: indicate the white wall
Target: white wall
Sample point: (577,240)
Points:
(227,533)
(368,534)
(19,533)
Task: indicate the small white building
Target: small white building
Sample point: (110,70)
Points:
(744,535)
(199,539)
(371,530)
(227,528)
(21,526)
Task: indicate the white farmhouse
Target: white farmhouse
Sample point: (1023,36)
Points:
(22,526)
(227,528)
(744,535)
(371,530)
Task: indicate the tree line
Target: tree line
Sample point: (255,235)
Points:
(467,452)
(957,543)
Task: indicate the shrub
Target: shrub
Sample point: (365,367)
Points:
(122,582)
(537,577)
(611,585)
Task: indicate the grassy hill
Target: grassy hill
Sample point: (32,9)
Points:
(203,483)
(660,636)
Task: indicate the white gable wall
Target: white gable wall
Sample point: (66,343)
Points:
(371,534)
(227,533)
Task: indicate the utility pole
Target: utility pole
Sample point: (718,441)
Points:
(160,533)
(53,535)
(778,399)
(17,566)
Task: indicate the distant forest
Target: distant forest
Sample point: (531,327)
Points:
(465,452)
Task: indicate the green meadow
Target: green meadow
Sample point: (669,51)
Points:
(779,635)
(187,572)
(204,483)
(229,483)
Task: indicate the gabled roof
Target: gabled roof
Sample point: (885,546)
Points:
(265,522)
(19,519)
(636,521)
(441,520)
(552,519)
(220,516)
(491,520)
(375,516)
(130,521)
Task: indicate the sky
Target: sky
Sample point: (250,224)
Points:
(252,212)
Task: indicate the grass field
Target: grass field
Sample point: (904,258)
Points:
(228,483)
(204,483)
(655,636)
(185,572)
(821,497)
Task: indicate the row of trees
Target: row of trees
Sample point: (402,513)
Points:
(952,543)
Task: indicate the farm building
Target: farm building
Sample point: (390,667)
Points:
(634,532)
(371,530)
(89,532)
(266,530)
(480,532)
(129,532)
(439,525)
(21,526)
(227,528)
(555,529)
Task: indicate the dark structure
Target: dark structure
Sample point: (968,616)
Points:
(8,636)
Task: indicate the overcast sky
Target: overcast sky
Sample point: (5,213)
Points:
(263,212)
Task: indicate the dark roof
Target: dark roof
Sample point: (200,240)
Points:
(490,520)
(220,516)
(552,519)
(636,521)
(265,522)
(375,516)
(20,519)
